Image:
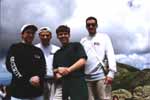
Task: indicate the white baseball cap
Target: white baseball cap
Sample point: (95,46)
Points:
(44,29)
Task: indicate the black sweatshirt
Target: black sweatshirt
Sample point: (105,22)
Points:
(24,61)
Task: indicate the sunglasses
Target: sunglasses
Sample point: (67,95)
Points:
(91,24)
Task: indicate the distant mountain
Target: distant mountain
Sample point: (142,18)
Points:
(131,83)
(124,76)
(142,78)
(128,77)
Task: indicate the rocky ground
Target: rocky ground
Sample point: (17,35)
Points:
(139,93)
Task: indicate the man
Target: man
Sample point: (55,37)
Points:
(97,45)
(27,65)
(52,90)
(68,65)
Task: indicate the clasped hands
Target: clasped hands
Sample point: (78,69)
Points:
(61,71)
(35,81)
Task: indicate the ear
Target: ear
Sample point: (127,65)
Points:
(57,36)
(96,25)
(69,35)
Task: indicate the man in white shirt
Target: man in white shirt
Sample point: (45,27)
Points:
(97,45)
(52,90)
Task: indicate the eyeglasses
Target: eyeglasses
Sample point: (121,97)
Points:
(91,24)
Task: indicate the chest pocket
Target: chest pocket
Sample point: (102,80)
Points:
(36,59)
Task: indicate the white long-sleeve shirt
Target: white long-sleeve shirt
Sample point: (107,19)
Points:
(96,47)
(48,53)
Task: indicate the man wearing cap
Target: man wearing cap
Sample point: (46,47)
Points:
(52,90)
(27,65)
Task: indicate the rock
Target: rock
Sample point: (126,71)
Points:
(122,94)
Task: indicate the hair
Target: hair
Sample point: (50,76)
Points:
(90,18)
(63,28)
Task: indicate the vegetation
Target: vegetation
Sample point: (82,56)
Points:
(128,77)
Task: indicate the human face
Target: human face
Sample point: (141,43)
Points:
(91,27)
(28,36)
(63,37)
(45,37)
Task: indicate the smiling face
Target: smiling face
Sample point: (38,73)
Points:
(91,25)
(63,37)
(63,34)
(28,36)
(45,37)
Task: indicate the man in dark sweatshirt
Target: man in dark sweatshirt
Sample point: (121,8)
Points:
(27,65)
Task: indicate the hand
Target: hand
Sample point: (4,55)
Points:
(63,71)
(58,76)
(108,80)
(35,80)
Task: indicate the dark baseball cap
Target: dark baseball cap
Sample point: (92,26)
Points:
(29,26)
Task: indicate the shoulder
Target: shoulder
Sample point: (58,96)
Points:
(38,45)
(104,36)
(15,46)
(37,48)
(83,40)
(54,48)
(75,43)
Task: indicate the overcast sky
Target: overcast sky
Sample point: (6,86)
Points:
(127,22)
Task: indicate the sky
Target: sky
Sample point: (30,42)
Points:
(127,22)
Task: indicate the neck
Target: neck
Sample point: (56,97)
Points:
(92,34)
(45,45)
(65,44)
(26,42)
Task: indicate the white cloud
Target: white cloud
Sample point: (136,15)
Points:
(138,61)
(128,24)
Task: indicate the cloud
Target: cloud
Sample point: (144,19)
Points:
(16,13)
(127,22)
(139,61)
(119,20)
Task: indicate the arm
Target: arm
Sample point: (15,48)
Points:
(37,79)
(80,56)
(66,70)
(111,61)
(77,65)
(12,62)
(55,67)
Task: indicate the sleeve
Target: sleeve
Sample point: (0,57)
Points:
(80,51)
(11,62)
(42,70)
(55,61)
(9,54)
(111,57)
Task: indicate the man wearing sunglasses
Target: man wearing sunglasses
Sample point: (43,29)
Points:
(97,45)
